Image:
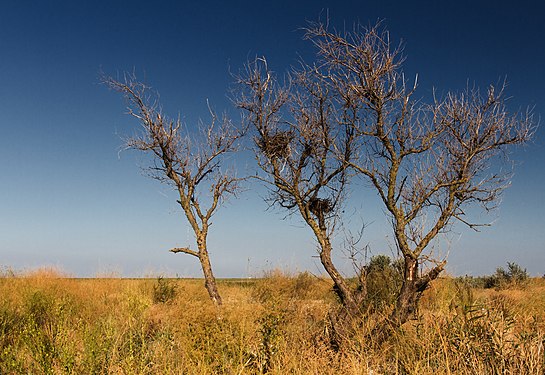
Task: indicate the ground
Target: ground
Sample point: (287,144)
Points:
(278,324)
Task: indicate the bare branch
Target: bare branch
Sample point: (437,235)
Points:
(185,250)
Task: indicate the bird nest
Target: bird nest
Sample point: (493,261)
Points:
(276,145)
(320,206)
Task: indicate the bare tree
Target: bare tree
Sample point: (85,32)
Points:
(427,162)
(353,112)
(191,162)
(304,141)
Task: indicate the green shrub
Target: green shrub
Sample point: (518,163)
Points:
(514,277)
(164,291)
(384,278)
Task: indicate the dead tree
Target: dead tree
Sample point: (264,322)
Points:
(303,144)
(353,112)
(427,162)
(190,161)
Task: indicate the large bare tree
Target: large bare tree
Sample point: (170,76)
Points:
(191,161)
(427,162)
(353,111)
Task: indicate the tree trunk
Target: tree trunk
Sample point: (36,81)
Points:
(343,321)
(407,300)
(342,290)
(409,294)
(209,279)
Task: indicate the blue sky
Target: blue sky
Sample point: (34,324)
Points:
(70,199)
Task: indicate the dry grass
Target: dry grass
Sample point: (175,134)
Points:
(51,324)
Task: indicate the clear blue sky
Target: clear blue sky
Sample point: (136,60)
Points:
(69,199)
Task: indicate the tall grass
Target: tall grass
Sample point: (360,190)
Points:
(50,324)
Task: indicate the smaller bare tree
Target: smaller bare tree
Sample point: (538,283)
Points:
(190,161)
(304,140)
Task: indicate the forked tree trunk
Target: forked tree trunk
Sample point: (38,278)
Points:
(412,288)
(409,295)
(209,279)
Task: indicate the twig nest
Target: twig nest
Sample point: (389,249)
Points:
(276,145)
(320,206)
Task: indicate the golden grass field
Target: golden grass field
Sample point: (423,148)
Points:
(50,324)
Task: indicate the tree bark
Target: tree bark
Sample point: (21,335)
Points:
(342,290)
(411,290)
(344,319)
(209,279)
(409,295)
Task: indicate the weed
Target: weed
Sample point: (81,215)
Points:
(271,339)
(164,291)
